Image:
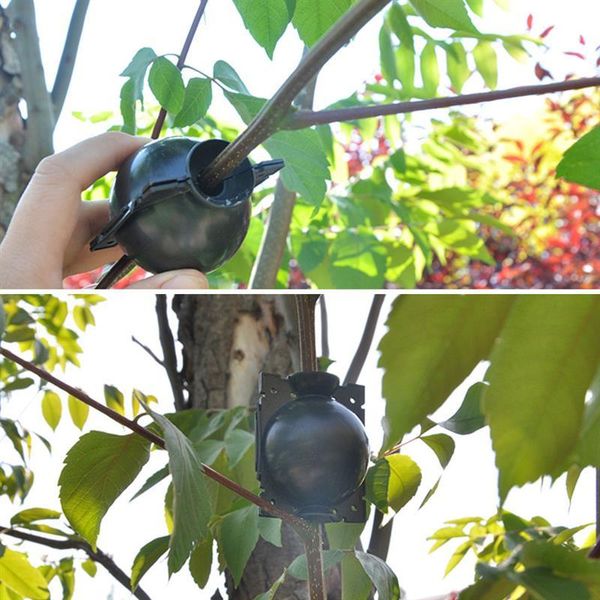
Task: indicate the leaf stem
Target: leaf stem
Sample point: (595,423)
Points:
(305,118)
(278,107)
(152,437)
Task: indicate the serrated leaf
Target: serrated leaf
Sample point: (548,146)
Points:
(79,411)
(18,575)
(404,480)
(146,558)
(432,344)
(98,468)
(201,562)
(238,535)
(191,506)
(580,162)
(266,20)
(542,364)
(51,408)
(228,76)
(486,61)
(313,18)
(383,578)
(196,102)
(166,83)
(376,482)
(442,445)
(469,417)
(136,71)
(450,14)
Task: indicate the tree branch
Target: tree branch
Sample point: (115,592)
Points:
(98,556)
(324,327)
(148,351)
(305,309)
(379,542)
(313,545)
(364,345)
(277,108)
(167,343)
(303,119)
(265,505)
(40,116)
(64,73)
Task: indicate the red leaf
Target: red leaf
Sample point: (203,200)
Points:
(546,31)
(529,22)
(542,73)
(576,54)
(582,40)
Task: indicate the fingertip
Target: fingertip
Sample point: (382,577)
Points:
(184,279)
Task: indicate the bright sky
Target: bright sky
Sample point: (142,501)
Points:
(468,486)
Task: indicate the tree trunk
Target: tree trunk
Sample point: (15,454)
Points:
(13,177)
(227,341)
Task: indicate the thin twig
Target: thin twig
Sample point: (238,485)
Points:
(162,115)
(66,65)
(97,556)
(147,350)
(303,119)
(313,546)
(155,439)
(305,309)
(167,343)
(125,263)
(366,340)
(324,327)
(278,107)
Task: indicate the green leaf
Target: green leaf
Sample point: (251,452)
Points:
(356,584)
(443,446)
(25,517)
(90,567)
(469,417)
(404,480)
(201,562)
(451,14)
(98,468)
(270,530)
(152,481)
(83,316)
(572,478)
(114,399)
(457,556)
(18,575)
(485,589)
(238,535)
(191,505)
(387,56)
(430,71)
(476,6)
(306,167)
(79,411)
(237,443)
(376,482)
(136,71)
(166,83)
(432,344)
(266,20)
(146,558)
(580,162)
(381,575)
(228,76)
(51,408)
(545,584)
(196,101)
(486,60)
(542,364)
(457,65)
(299,569)
(313,18)
(397,20)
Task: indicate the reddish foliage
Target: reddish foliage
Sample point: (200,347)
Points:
(547,31)
(542,73)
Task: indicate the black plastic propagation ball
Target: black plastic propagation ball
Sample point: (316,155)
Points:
(164,219)
(315,450)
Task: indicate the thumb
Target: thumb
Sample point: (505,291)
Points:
(186,279)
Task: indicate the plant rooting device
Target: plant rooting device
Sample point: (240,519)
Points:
(164,219)
(312,451)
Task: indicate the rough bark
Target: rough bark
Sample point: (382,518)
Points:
(227,340)
(12,132)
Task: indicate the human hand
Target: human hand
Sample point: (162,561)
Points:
(49,235)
